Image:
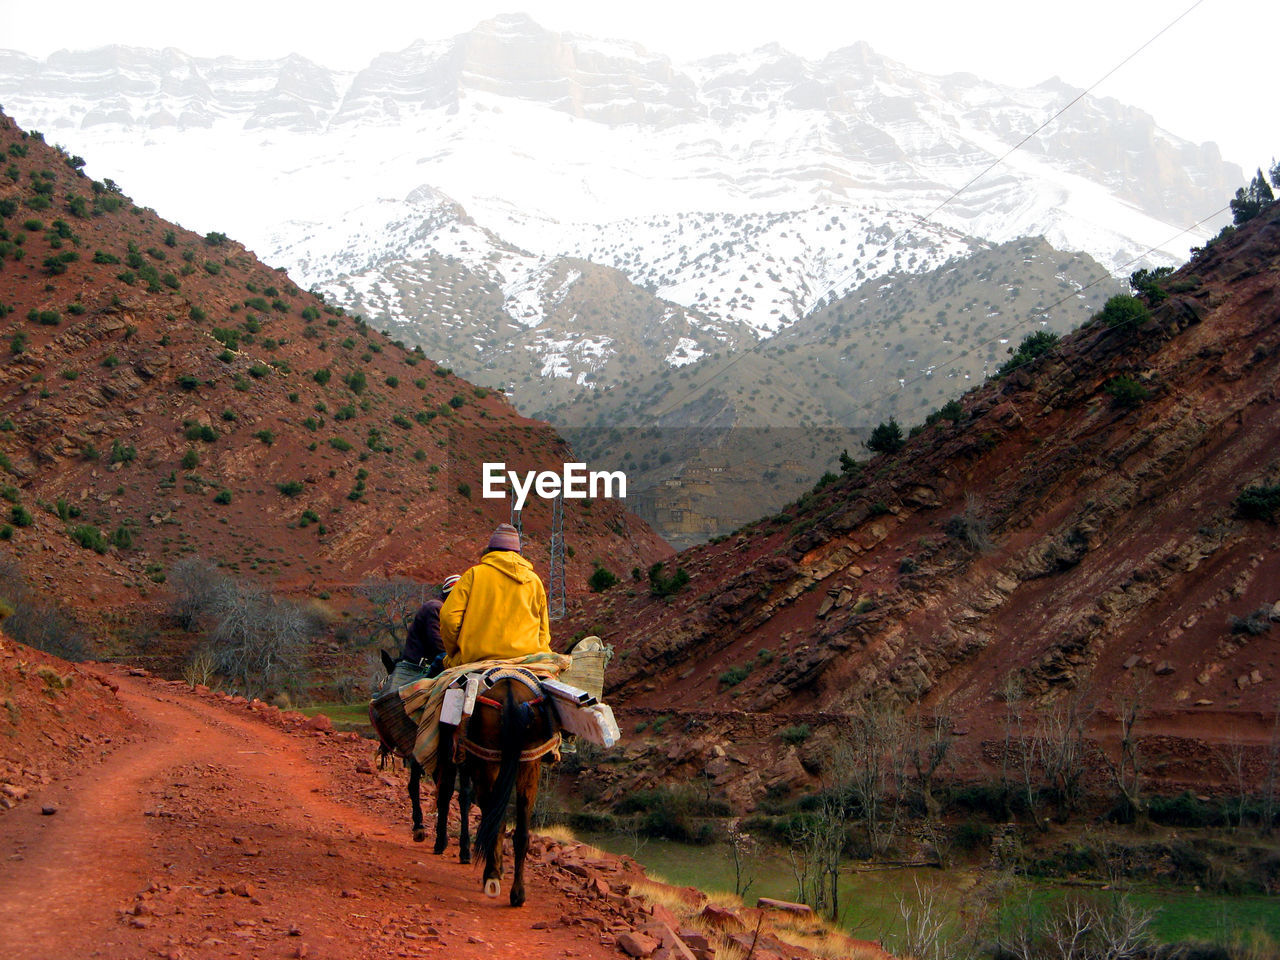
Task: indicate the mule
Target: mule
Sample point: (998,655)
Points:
(503,744)
(445,775)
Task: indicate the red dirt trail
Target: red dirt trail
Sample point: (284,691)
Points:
(212,832)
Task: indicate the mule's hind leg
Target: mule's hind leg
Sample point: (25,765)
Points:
(445,773)
(493,867)
(415,801)
(464,814)
(526,796)
(482,778)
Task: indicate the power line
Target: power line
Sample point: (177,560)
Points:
(868,404)
(925,219)
(1080,96)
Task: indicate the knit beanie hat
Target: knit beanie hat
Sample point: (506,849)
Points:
(505,538)
(448,583)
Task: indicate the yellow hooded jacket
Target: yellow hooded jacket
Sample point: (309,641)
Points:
(497,611)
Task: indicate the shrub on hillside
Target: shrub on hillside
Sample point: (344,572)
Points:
(660,586)
(1123,310)
(1126,391)
(1033,345)
(794,735)
(885,438)
(89,537)
(601,579)
(1259,502)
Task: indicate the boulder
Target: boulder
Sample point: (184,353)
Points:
(635,944)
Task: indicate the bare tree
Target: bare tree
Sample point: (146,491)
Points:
(817,854)
(1079,928)
(1061,747)
(392,606)
(1271,782)
(1020,747)
(929,744)
(36,621)
(873,751)
(800,855)
(1121,929)
(924,929)
(1128,766)
(1233,756)
(200,591)
(261,640)
(1011,722)
(742,848)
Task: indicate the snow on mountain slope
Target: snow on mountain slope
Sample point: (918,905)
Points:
(768,270)
(747,189)
(498,314)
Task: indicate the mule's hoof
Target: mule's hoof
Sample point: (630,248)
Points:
(492,887)
(439,847)
(419,835)
(517,899)
(464,858)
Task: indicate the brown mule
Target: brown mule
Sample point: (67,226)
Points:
(506,738)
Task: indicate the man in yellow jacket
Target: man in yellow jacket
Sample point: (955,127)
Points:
(498,610)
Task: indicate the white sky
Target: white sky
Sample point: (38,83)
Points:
(1210,77)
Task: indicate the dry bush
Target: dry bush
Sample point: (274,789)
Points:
(200,668)
(560,833)
(392,606)
(38,622)
(1081,928)
(200,590)
(972,526)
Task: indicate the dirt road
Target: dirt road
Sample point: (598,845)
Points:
(217,831)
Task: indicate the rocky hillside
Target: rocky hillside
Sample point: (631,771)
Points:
(739,433)
(165,394)
(58,717)
(1105,512)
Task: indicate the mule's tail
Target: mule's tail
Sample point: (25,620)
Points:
(515,720)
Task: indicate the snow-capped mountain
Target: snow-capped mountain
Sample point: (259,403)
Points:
(541,327)
(740,192)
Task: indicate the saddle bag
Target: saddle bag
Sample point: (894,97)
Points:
(394,727)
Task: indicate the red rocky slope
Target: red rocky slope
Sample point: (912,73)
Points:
(163,394)
(1105,542)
